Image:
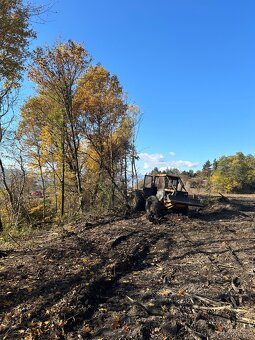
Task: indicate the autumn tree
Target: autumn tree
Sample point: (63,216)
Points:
(56,71)
(104,122)
(33,118)
(41,133)
(15,33)
(234,173)
(79,128)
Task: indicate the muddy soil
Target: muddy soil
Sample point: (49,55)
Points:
(185,277)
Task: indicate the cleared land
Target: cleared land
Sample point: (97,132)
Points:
(187,277)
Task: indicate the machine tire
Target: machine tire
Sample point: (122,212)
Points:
(137,201)
(153,208)
(184,211)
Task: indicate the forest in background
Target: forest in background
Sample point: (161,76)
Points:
(229,174)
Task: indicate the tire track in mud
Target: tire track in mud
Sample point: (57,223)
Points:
(77,300)
(130,251)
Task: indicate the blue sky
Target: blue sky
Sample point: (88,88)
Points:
(188,64)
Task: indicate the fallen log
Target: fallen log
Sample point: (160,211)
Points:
(223,198)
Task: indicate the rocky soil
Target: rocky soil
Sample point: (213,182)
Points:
(185,277)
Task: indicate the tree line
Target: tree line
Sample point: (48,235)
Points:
(229,174)
(74,142)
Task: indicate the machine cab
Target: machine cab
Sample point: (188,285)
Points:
(149,187)
(163,184)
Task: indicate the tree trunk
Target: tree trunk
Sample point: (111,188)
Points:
(43,185)
(56,195)
(75,147)
(125,177)
(10,194)
(1,225)
(63,174)
(63,190)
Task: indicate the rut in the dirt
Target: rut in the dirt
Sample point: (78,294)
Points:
(105,286)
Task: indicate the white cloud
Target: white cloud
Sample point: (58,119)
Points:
(146,165)
(149,161)
(182,164)
(172,153)
(153,157)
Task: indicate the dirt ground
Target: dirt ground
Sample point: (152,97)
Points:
(187,277)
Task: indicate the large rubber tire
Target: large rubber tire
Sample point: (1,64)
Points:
(185,211)
(137,201)
(153,208)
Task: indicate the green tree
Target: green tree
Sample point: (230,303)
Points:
(207,167)
(155,171)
